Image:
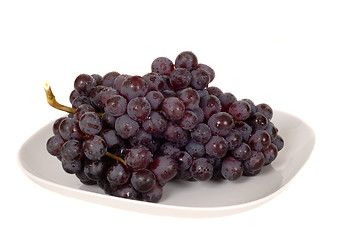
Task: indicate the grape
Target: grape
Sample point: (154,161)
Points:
(180,78)
(154,81)
(117,83)
(183,159)
(138,158)
(210,105)
(266,110)
(221,123)
(109,79)
(190,98)
(71,150)
(74,94)
(226,100)
(105,94)
(270,154)
(162,65)
(201,169)
(259,141)
(175,133)
(271,130)
(153,195)
(188,121)
(278,142)
(231,169)
(250,102)
(202,133)
(82,109)
(116,105)
(54,145)
(216,91)
(169,149)
(173,108)
(125,191)
(110,136)
(234,139)
(94,147)
(216,147)
(209,70)
(155,98)
(84,83)
(200,79)
(143,181)
(94,170)
(80,100)
(139,109)
(118,174)
(200,114)
(195,149)
(186,60)
(242,152)
(90,123)
(84,179)
(126,127)
(245,130)
(69,129)
(134,86)
(240,110)
(155,123)
(98,78)
(258,121)
(141,138)
(71,166)
(95,97)
(255,161)
(108,120)
(164,168)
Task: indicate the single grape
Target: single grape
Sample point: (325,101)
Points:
(111,138)
(270,154)
(240,110)
(117,83)
(169,149)
(71,150)
(72,166)
(164,168)
(188,121)
(108,120)
(216,91)
(162,66)
(271,130)
(234,139)
(250,102)
(153,195)
(84,179)
(202,133)
(116,105)
(54,144)
(209,70)
(155,98)
(186,60)
(138,158)
(278,142)
(175,133)
(139,109)
(221,123)
(154,81)
(155,123)
(210,105)
(242,152)
(200,79)
(69,129)
(141,138)
(200,114)
(173,108)
(180,78)
(134,86)
(56,125)
(84,83)
(143,181)
(80,100)
(259,141)
(184,159)
(125,191)
(105,94)
(98,78)
(266,110)
(109,79)
(94,170)
(257,121)
(118,174)
(82,109)
(190,98)
(90,123)
(245,130)
(195,149)
(95,97)
(231,169)
(74,94)
(216,147)
(226,99)
(201,169)
(255,161)
(94,147)
(126,127)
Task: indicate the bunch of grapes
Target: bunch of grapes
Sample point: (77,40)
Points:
(130,135)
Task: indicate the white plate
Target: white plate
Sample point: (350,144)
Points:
(181,198)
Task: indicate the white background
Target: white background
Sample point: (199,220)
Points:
(301,57)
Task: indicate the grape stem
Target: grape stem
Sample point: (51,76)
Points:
(52,100)
(117,158)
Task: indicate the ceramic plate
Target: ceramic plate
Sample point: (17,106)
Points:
(182,198)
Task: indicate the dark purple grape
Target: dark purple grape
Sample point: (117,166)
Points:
(133,87)
(184,159)
(153,195)
(71,150)
(250,102)
(54,144)
(108,121)
(190,98)
(270,154)
(72,166)
(195,149)
(155,123)
(217,147)
(116,105)
(155,98)
(173,108)
(80,100)
(266,110)
(154,81)
(242,152)
(200,79)
(175,133)
(245,130)
(74,94)
(69,129)
(278,142)
(94,147)
(138,158)
(210,105)
(143,181)
(84,83)
(82,109)
(257,121)
(226,100)
(186,60)
(169,93)
(90,123)
(139,109)
(105,94)
(202,133)
(202,169)
(234,139)
(126,127)
(109,79)
(141,138)
(180,78)
(188,121)
(259,141)
(111,138)
(200,114)
(209,70)
(164,168)
(255,161)
(271,130)
(84,179)
(216,91)
(117,83)
(118,174)
(221,123)
(162,66)
(231,169)
(94,170)
(125,191)
(95,97)
(240,110)
(56,125)
(169,149)
(98,78)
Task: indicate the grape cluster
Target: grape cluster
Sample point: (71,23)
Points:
(131,135)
